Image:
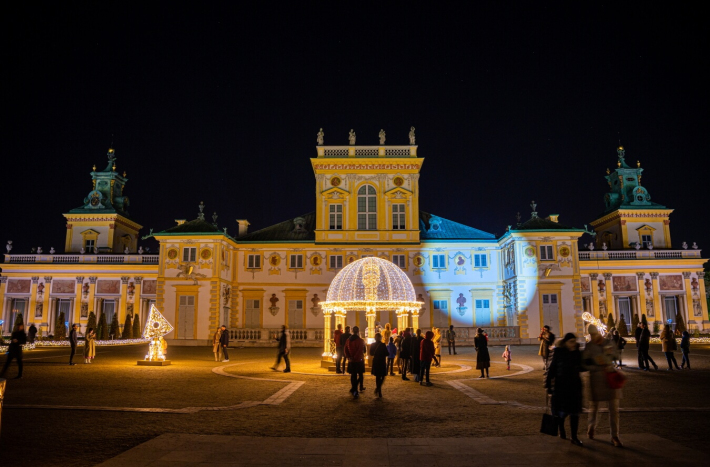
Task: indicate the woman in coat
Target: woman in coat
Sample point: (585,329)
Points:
(398,343)
(426,355)
(565,385)
(669,346)
(89,345)
(386,333)
(379,354)
(437,347)
(216,346)
(597,358)
(483,358)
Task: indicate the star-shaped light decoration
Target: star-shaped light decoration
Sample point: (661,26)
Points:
(156,327)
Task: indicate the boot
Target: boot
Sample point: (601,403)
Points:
(590,432)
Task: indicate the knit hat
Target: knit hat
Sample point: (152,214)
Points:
(592,329)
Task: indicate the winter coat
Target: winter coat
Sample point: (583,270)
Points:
(483,358)
(426,348)
(637,335)
(597,359)
(668,341)
(355,349)
(645,340)
(285,341)
(216,340)
(507,355)
(90,346)
(224,338)
(406,347)
(336,337)
(386,334)
(73,339)
(451,335)
(379,353)
(685,343)
(563,381)
(437,342)
(416,342)
(392,350)
(545,343)
(21,338)
(344,338)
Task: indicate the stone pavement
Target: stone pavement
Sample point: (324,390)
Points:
(176,449)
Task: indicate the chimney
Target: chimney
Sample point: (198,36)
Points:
(243,227)
(553,217)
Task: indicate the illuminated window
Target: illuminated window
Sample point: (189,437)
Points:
(254,261)
(399,260)
(336,217)
(89,245)
(546,253)
(646,240)
(398,216)
(439,261)
(189,253)
(366,208)
(480,261)
(336,261)
(296,262)
(442,305)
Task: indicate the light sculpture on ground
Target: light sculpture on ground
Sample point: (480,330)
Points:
(590,319)
(156,327)
(369,284)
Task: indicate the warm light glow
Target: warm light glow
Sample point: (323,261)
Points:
(589,318)
(156,327)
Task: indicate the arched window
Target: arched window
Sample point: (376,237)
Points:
(366,208)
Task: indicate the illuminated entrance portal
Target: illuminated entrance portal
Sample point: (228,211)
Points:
(371,285)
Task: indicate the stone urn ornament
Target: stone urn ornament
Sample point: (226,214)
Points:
(685,245)
(51,250)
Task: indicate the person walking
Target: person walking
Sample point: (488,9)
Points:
(507,355)
(619,344)
(451,339)
(547,339)
(32,333)
(565,385)
(89,345)
(387,333)
(685,349)
(14,351)
(644,344)
(343,340)
(73,341)
(355,352)
(637,335)
(379,354)
(217,344)
(426,355)
(483,358)
(597,359)
(224,343)
(398,344)
(669,346)
(405,353)
(392,354)
(437,347)
(416,342)
(284,350)
(338,348)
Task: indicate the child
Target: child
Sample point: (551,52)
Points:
(392,353)
(506,355)
(685,348)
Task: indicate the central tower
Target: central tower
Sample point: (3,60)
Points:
(367,194)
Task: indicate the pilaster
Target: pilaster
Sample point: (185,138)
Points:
(76,309)
(609,294)
(124,301)
(33,301)
(137,305)
(641,305)
(595,294)
(3,304)
(687,297)
(45,304)
(657,310)
(90,300)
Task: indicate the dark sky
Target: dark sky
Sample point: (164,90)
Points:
(512,102)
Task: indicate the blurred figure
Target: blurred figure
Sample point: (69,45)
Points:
(31,333)
(338,347)
(343,340)
(451,339)
(483,358)
(14,350)
(644,344)
(669,346)
(73,341)
(224,343)
(437,347)
(426,355)
(416,341)
(392,354)
(546,338)
(355,352)
(284,350)
(379,353)
(89,345)
(565,385)
(507,356)
(637,335)
(619,343)
(405,353)
(216,346)
(685,349)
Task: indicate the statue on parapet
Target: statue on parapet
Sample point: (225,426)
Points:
(412,138)
(351,137)
(320,137)
(382,137)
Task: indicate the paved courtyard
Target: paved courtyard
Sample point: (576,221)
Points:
(88,414)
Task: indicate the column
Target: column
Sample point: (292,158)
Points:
(657,304)
(52,317)
(138,280)
(124,302)
(688,298)
(45,304)
(371,314)
(3,301)
(327,333)
(33,301)
(641,308)
(91,299)
(594,310)
(609,295)
(616,307)
(340,317)
(403,316)
(76,305)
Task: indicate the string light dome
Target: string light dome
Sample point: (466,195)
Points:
(371,284)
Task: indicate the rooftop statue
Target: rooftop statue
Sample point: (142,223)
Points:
(412,138)
(351,137)
(319,138)
(382,137)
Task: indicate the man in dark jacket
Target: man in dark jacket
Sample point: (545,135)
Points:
(405,353)
(355,352)
(343,339)
(284,350)
(31,333)
(18,339)
(426,355)
(338,347)
(73,341)
(637,335)
(224,342)
(451,339)
(644,344)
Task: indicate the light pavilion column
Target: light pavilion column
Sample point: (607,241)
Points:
(402,319)
(595,295)
(327,332)
(415,319)
(371,314)
(688,297)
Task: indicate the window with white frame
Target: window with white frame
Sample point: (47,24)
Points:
(336,216)
(295,314)
(398,216)
(438,261)
(480,260)
(367,208)
(254,262)
(296,262)
(89,245)
(336,261)
(646,240)
(399,260)
(189,253)
(441,305)
(546,253)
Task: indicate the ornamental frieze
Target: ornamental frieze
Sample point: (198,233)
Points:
(366,166)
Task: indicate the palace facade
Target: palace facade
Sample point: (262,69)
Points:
(367,204)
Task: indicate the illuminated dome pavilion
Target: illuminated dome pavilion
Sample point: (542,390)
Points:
(370,284)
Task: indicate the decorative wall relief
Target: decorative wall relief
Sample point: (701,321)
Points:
(624,283)
(462,305)
(38,310)
(108,286)
(316,261)
(274,262)
(649,308)
(85,310)
(529,257)
(316,308)
(584,282)
(674,282)
(564,255)
(697,308)
(418,262)
(459,264)
(18,286)
(149,287)
(273,309)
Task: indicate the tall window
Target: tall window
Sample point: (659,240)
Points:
(546,253)
(646,240)
(89,245)
(398,216)
(254,262)
(336,216)
(252,312)
(296,262)
(336,261)
(189,254)
(480,260)
(439,261)
(366,208)
(399,260)
(295,314)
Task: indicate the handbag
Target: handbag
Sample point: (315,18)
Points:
(615,379)
(549,424)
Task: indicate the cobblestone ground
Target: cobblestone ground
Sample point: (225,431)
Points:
(85,414)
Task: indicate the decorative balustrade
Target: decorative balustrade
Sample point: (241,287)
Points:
(83,259)
(466,334)
(638,254)
(245,334)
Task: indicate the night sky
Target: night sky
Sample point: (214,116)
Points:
(511,102)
